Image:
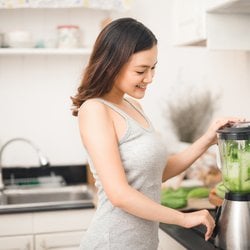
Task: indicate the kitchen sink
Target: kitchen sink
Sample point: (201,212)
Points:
(46,198)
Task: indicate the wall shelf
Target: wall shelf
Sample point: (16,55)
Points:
(93,4)
(44,51)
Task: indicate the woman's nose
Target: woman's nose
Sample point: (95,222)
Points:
(148,77)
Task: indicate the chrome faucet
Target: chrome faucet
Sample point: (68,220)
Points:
(42,159)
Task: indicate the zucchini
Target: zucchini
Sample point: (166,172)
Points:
(174,202)
(199,192)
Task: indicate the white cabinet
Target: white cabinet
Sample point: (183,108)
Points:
(167,242)
(59,241)
(220,25)
(61,230)
(228,6)
(16,232)
(57,230)
(16,224)
(189,22)
(62,221)
(16,243)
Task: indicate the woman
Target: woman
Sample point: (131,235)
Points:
(126,156)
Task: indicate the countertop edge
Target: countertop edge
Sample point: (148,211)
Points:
(188,238)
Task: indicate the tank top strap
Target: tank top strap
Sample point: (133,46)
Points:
(114,107)
(136,108)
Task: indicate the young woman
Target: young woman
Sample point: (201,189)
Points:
(127,157)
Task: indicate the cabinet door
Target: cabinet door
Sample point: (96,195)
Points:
(16,243)
(190,22)
(15,224)
(59,241)
(62,221)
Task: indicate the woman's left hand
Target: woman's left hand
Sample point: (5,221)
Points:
(219,123)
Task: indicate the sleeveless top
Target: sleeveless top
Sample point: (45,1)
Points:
(144,157)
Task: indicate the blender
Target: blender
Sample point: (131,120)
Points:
(232,230)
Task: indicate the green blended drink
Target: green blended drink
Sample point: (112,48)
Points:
(234,147)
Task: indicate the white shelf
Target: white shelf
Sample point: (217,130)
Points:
(44,51)
(52,4)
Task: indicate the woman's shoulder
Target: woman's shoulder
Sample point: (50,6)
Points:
(92,106)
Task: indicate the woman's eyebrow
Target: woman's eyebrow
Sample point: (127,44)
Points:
(145,66)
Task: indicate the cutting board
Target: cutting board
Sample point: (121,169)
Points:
(198,203)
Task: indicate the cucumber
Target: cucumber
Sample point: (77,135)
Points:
(174,202)
(178,198)
(199,192)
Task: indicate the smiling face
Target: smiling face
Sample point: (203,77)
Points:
(135,75)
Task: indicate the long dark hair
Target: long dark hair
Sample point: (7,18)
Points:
(113,47)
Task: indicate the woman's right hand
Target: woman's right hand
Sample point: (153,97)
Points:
(198,218)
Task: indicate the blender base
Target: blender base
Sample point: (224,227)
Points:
(234,223)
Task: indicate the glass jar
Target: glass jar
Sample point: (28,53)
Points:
(68,36)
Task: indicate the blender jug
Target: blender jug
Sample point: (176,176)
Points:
(232,230)
(234,149)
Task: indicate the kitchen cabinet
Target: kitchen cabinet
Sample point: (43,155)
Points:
(15,224)
(220,25)
(16,232)
(16,243)
(59,241)
(61,221)
(58,230)
(189,22)
(61,230)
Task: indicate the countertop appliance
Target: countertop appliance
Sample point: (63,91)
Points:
(233,218)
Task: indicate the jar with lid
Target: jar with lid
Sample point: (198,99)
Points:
(68,36)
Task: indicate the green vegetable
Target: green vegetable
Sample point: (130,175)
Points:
(174,202)
(177,198)
(236,164)
(201,192)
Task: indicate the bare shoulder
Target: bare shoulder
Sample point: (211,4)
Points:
(93,115)
(92,107)
(134,102)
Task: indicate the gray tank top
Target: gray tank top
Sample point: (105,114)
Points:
(144,156)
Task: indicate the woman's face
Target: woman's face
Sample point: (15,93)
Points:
(137,73)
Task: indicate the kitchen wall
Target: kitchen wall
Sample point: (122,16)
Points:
(35,90)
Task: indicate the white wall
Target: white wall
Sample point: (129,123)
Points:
(35,90)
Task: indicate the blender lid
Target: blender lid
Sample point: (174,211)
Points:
(235,131)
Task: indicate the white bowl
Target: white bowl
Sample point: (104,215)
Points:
(19,39)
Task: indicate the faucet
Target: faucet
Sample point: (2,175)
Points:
(42,159)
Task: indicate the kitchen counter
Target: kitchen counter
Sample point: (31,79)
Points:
(192,239)
(46,199)
(36,208)
(39,189)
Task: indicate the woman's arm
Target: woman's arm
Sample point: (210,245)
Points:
(177,163)
(99,137)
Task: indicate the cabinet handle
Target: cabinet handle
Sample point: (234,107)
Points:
(43,245)
(28,246)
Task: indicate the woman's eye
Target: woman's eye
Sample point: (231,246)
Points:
(140,72)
